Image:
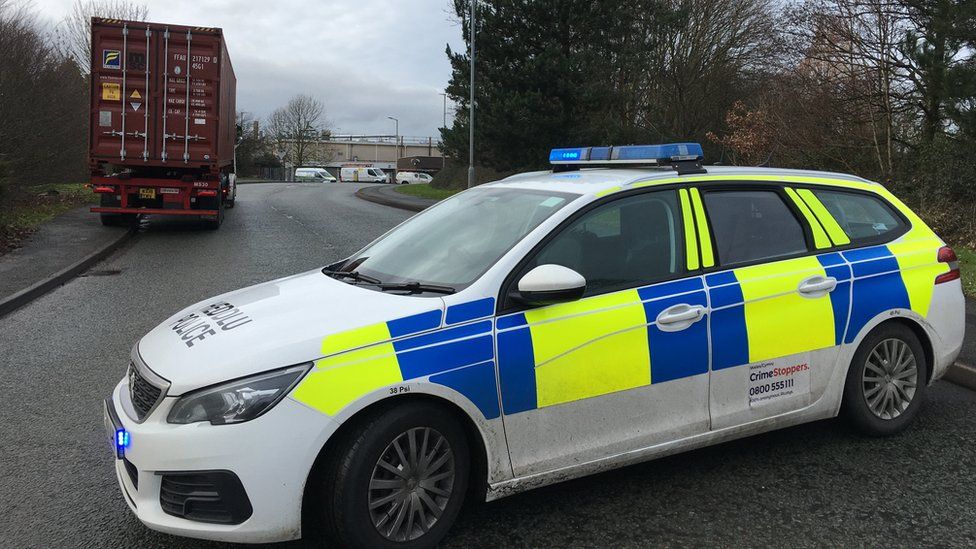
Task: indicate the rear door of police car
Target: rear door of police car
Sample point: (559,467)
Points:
(779,298)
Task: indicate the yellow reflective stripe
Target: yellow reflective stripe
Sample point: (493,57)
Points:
(589,348)
(837,235)
(704,236)
(605,192)
(340,379)
(691,249)
(820,239)
(770,289)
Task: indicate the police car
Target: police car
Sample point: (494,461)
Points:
(626,305)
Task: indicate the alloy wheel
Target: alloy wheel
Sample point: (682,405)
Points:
(411,484)
(890,378)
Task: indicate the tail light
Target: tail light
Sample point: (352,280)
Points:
(207,193)
(946,255)
(104,189)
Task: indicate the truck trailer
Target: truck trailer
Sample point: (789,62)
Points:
(162,122)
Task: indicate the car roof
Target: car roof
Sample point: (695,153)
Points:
(600,181)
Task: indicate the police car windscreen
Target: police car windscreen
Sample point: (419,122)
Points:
(456,241)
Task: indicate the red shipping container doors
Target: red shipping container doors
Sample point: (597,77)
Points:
(156,96)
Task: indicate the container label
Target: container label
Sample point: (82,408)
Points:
(111,59)
(105,119)
(111,91)
(200,121)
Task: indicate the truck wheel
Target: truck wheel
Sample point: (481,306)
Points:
(214,224)
(229,203)
(397,480)
(886,381)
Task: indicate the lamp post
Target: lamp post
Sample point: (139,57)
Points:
(396,139)
(471,103)
(444,95)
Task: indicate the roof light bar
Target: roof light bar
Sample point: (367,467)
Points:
(628,154)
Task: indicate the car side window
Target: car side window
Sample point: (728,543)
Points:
(630,242)
(861,216)
(752,225)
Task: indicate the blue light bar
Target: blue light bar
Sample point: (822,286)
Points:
(629,154)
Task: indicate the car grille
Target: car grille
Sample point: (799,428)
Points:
(209,496)
(144,395)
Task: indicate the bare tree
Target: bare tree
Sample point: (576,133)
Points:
(294,128)
(43,106)
(75,36)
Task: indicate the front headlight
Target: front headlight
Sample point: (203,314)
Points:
(239,400)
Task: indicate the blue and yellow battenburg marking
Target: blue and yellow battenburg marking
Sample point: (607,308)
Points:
(596,346)
(360,361)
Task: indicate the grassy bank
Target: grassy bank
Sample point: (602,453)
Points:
(967,262)
(424,190)
(31,206)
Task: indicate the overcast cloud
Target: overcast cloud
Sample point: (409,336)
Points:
(365,59)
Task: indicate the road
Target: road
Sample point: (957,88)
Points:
(811,485)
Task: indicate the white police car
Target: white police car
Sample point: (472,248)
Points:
(540,328)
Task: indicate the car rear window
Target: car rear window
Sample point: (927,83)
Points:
(861,216)
(752,225)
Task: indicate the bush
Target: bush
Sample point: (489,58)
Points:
(455,175)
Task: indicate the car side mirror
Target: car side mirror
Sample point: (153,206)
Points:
(549,284)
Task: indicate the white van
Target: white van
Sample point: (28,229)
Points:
(413,177)
(319,175)
(363,175)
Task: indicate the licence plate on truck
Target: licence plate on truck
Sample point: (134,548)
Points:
(147,193)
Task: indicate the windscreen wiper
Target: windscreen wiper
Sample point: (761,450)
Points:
(416,288)
(352,275)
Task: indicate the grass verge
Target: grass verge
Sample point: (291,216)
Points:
(967,263)
(32,206)
(424,190)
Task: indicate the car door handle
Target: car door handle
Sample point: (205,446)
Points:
(679,317)
(816,286)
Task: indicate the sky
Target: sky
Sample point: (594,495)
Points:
(364,59)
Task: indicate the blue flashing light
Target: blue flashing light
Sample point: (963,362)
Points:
(568,155)
(629,154)
(121,440)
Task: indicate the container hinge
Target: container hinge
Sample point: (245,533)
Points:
(125,30)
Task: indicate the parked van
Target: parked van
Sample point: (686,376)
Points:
(363,175)
(412,177)
(320,175)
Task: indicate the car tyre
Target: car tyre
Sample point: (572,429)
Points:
(354,486)
(885,384)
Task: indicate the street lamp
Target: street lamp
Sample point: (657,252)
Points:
(444,95)
(396,140)
(471,105)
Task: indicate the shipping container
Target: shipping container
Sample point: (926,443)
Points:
(163,120)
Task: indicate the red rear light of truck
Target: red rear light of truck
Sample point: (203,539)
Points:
(103,189)
(207,193)
(948,256)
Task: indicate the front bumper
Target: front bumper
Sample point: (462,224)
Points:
(271,456)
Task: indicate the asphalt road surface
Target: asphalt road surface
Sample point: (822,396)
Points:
(812,485)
